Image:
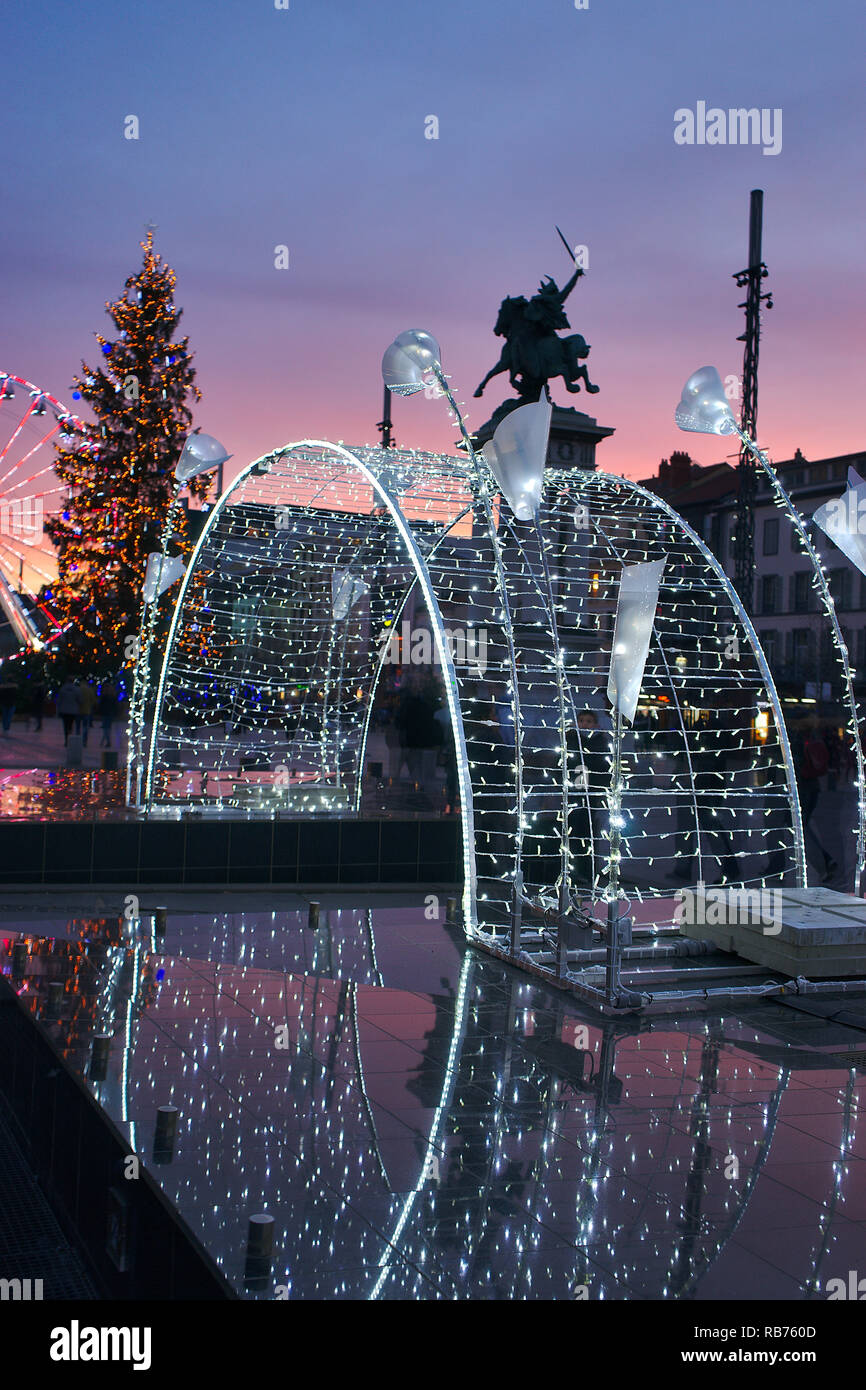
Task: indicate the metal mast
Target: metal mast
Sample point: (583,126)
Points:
(750,279)
(385,426)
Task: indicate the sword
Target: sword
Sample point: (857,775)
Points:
(566,245)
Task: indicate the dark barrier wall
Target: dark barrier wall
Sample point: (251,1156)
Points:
(231,852)
(78,1157)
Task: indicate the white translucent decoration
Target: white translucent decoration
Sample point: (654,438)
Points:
(346,590)
(162,571)
(200,454)
(844,521)
(635,612)
(409,360)
(704,408)
(517,454)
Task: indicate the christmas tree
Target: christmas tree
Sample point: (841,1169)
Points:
(119,475)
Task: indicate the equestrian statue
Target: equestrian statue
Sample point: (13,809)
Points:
(533,354)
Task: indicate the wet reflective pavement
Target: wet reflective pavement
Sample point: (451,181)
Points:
(423,1122)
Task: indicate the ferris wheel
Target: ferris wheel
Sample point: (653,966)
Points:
(31,422)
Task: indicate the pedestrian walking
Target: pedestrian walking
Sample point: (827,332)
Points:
(106,708)
(87,705)
(812,762)
(447,757)
(8,701)
(420,733)
(392,736)
(37,702)
(68,706)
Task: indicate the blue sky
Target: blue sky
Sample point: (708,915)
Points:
(305,127)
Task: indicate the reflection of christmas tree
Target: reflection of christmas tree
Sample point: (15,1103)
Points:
(119,478)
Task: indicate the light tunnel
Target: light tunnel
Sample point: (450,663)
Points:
(295,601)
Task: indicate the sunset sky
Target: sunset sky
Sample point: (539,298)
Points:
(305,126)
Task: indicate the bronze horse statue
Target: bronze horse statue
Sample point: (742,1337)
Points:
(533,354)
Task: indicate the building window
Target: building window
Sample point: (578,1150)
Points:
(801,587)
(770,642)
(840,588)
(802,653)
(771,536)
(769,593)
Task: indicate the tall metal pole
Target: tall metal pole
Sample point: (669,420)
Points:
(385,425)
(750,279)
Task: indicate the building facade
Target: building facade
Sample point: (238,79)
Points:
(785,606)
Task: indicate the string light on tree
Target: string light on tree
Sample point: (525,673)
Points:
(118,471)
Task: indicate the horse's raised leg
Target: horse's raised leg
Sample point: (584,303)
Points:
(494,371)
(583,375)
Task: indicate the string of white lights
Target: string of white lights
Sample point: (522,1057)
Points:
(322,570)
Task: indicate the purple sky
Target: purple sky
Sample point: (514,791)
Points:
(305,126)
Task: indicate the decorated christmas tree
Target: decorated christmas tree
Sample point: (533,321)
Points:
(119,476)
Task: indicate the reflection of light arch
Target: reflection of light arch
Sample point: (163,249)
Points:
(408,1232)
(431,1151)
(697,1272)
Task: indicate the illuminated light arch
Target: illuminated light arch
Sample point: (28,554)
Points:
(276,649)
(332,470)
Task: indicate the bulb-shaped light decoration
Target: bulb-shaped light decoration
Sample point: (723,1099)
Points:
(635,612)
(200,454)
(844,521)
(162,571)
(704,407)
(409,359)
(516,456)
(346,590)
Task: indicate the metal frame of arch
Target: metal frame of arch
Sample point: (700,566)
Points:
(448,558)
